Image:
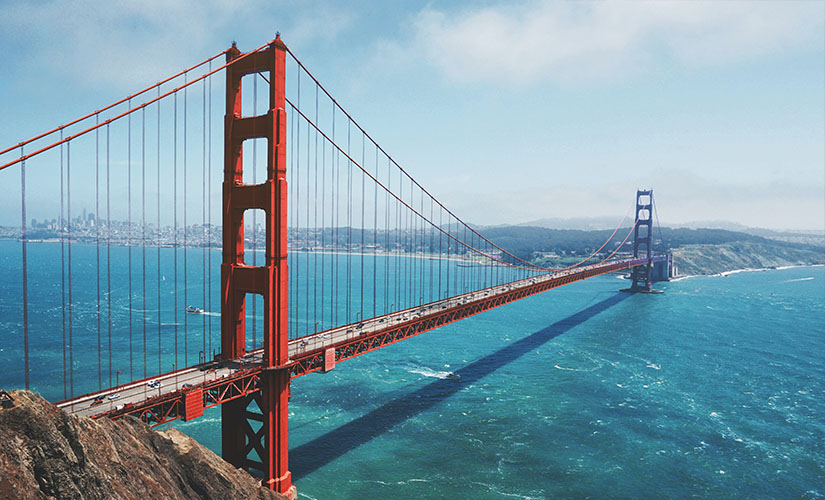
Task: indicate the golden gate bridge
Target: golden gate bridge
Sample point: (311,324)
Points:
(357,255)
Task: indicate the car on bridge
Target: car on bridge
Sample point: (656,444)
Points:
(154,384)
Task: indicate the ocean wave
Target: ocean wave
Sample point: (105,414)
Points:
(386,483)
(557,367)
(799,279)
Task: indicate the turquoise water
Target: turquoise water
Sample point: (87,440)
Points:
(151,334)
(714,389)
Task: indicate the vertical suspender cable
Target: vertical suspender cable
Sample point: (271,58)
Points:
(69,246)
(398,248)
(143,224)
(308,203)
(129,237)
(387,241)
(160,368)
(336,200)
(348,318)
(323,225)
(363,196)
(420,231)
(430,250)
(449,251)
(296,152)
(295,129)
(62,224)
(108,254)
(203,225)
(293,213)
(209,203)
(440,255)
(410,267)
(25,270)
(97,250)
(333,212)
(185,234)
(175,217)
(375,239)
(315,223)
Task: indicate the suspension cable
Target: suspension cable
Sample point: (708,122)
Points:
(620,246)
(110,106)
(404,203)
(335,102)
(601,247)
(136,108)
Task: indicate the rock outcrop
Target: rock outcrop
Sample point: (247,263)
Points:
(714,259)
(45,453)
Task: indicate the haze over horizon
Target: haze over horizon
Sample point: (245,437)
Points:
(506,111)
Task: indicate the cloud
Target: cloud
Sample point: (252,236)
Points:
(118,43)
(128,44)
(569,42)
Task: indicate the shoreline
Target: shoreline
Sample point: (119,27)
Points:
(744,270)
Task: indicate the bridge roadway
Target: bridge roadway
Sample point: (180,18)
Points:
(216,382)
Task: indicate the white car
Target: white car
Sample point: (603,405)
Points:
(112,397)
(154,384)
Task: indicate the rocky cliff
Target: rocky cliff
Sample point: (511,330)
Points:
(45,453)
(714,259)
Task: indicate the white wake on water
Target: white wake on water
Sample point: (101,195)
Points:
(428,372)
(799,279)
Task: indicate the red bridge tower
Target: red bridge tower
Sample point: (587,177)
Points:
(642,276)
(239,421)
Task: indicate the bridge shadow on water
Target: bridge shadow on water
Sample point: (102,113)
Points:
(313,455)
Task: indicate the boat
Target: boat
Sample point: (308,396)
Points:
(194,310)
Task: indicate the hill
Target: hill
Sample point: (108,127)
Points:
(696,251)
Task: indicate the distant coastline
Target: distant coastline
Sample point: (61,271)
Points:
(745,270)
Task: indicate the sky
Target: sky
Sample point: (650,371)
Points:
(506,111)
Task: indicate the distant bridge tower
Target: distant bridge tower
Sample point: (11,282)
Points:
(642,276)
(245,432)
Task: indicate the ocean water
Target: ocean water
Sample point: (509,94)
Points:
(135,323)
(714,389)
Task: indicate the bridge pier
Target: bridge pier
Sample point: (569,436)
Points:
(247,433)
(643,276)
(663,269)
